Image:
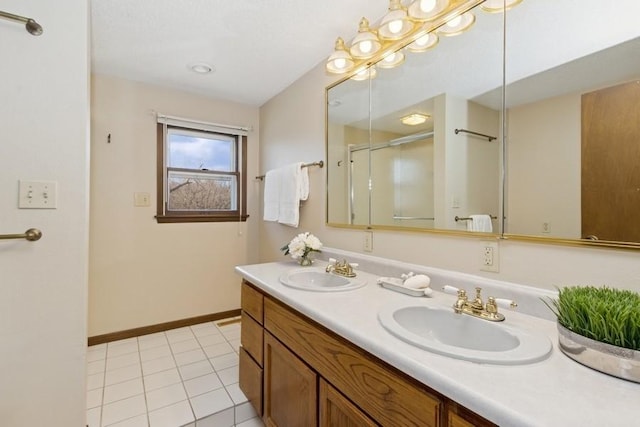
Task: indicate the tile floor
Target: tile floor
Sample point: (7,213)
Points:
(181,377)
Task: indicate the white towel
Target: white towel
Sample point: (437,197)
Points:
(480,223)
(291,189)
(272,195)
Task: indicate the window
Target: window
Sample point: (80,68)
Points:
(201,172)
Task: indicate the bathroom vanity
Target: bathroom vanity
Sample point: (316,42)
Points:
(322,358)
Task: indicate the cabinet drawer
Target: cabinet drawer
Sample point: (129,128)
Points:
(252,302)
(251,380)
(251,337)
(385,394)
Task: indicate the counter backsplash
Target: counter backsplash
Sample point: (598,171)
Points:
(529,299)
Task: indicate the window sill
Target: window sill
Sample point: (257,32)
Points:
(164,219)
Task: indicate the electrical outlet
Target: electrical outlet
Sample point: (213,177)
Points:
(368,241)
(490,260)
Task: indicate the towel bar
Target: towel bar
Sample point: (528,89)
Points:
(459,218)
(320,164)
(31,235)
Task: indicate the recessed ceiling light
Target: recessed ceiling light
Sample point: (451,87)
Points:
(201,68)
(414,119)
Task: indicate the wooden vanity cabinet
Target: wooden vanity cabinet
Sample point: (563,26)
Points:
(251,351)
(313,377)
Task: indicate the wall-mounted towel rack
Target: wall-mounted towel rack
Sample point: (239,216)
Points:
(459,218)
(489,137)
(31,235)
(30,25)
(320,164)
(409,218)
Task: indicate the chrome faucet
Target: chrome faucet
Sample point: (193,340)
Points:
(478,308)
(341,268)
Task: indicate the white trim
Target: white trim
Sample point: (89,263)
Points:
(200,125)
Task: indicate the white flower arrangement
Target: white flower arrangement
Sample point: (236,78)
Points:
(301,245)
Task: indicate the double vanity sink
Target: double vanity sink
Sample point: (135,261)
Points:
(506,372)
(434,327)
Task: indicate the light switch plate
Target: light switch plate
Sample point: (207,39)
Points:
(141,199)
(37,194)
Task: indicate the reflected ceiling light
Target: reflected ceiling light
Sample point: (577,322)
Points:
(366,43)
(396,23)
(340,61)
(392,59)
(414,119)
(427,10)
(495,6)
(457,25)
(365,74)
(423,43)
(201,68)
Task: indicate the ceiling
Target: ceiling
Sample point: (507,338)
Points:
(257,47)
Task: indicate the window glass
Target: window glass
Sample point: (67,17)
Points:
(200,150)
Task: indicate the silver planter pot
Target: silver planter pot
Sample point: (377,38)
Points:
(610,359)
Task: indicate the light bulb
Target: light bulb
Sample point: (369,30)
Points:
(427,5)
(455,21)
(365,46)
(390,57)
(395,26)
(340,63)
(422,41)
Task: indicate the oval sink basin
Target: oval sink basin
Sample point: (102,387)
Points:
(319,280)
(465,337)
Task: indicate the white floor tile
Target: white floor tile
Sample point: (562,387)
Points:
(115,362)
(94,398)
(95,381)
(244,412)
(225,361)
(93,417)
(186,345)
(218,349)
(161,379)
(152,340)
(232,335)
(224,418)
(165,396)
(157,365)
(194,370)
(229,375)
(123,390)
(122,374)
(139,421)
(253,422)
(202,384)
(215,338)
(122,347)
(190,356)
(97,352)
(231,327)
(211,403)
(209,329)
(235,344)
(155,352)
(96,367)
(236,394)
(177,414)
(181,334)
(123,409)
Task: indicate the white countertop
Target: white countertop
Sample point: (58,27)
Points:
(554,392)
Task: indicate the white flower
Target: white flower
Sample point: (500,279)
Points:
(301,245)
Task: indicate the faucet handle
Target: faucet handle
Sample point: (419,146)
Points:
(450,289)
(505,303)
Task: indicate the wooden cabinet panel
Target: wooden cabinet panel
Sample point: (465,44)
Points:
(337,411)
(459,416)
(387,395)
(457,421)
(290,387)
(251,380)
(252,302)
(251,338)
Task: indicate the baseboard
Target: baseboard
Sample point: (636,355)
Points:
(160,327)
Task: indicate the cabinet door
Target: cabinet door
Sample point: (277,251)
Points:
(337,411)
(250,378)
(290,387)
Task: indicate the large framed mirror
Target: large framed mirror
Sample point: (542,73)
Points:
(568,160)
(415,146)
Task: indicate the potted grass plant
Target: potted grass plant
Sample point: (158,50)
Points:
(600,328)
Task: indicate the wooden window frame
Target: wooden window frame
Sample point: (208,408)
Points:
(163,215)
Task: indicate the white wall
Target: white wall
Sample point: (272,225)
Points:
(141,272)
(292,129)
(44,122)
